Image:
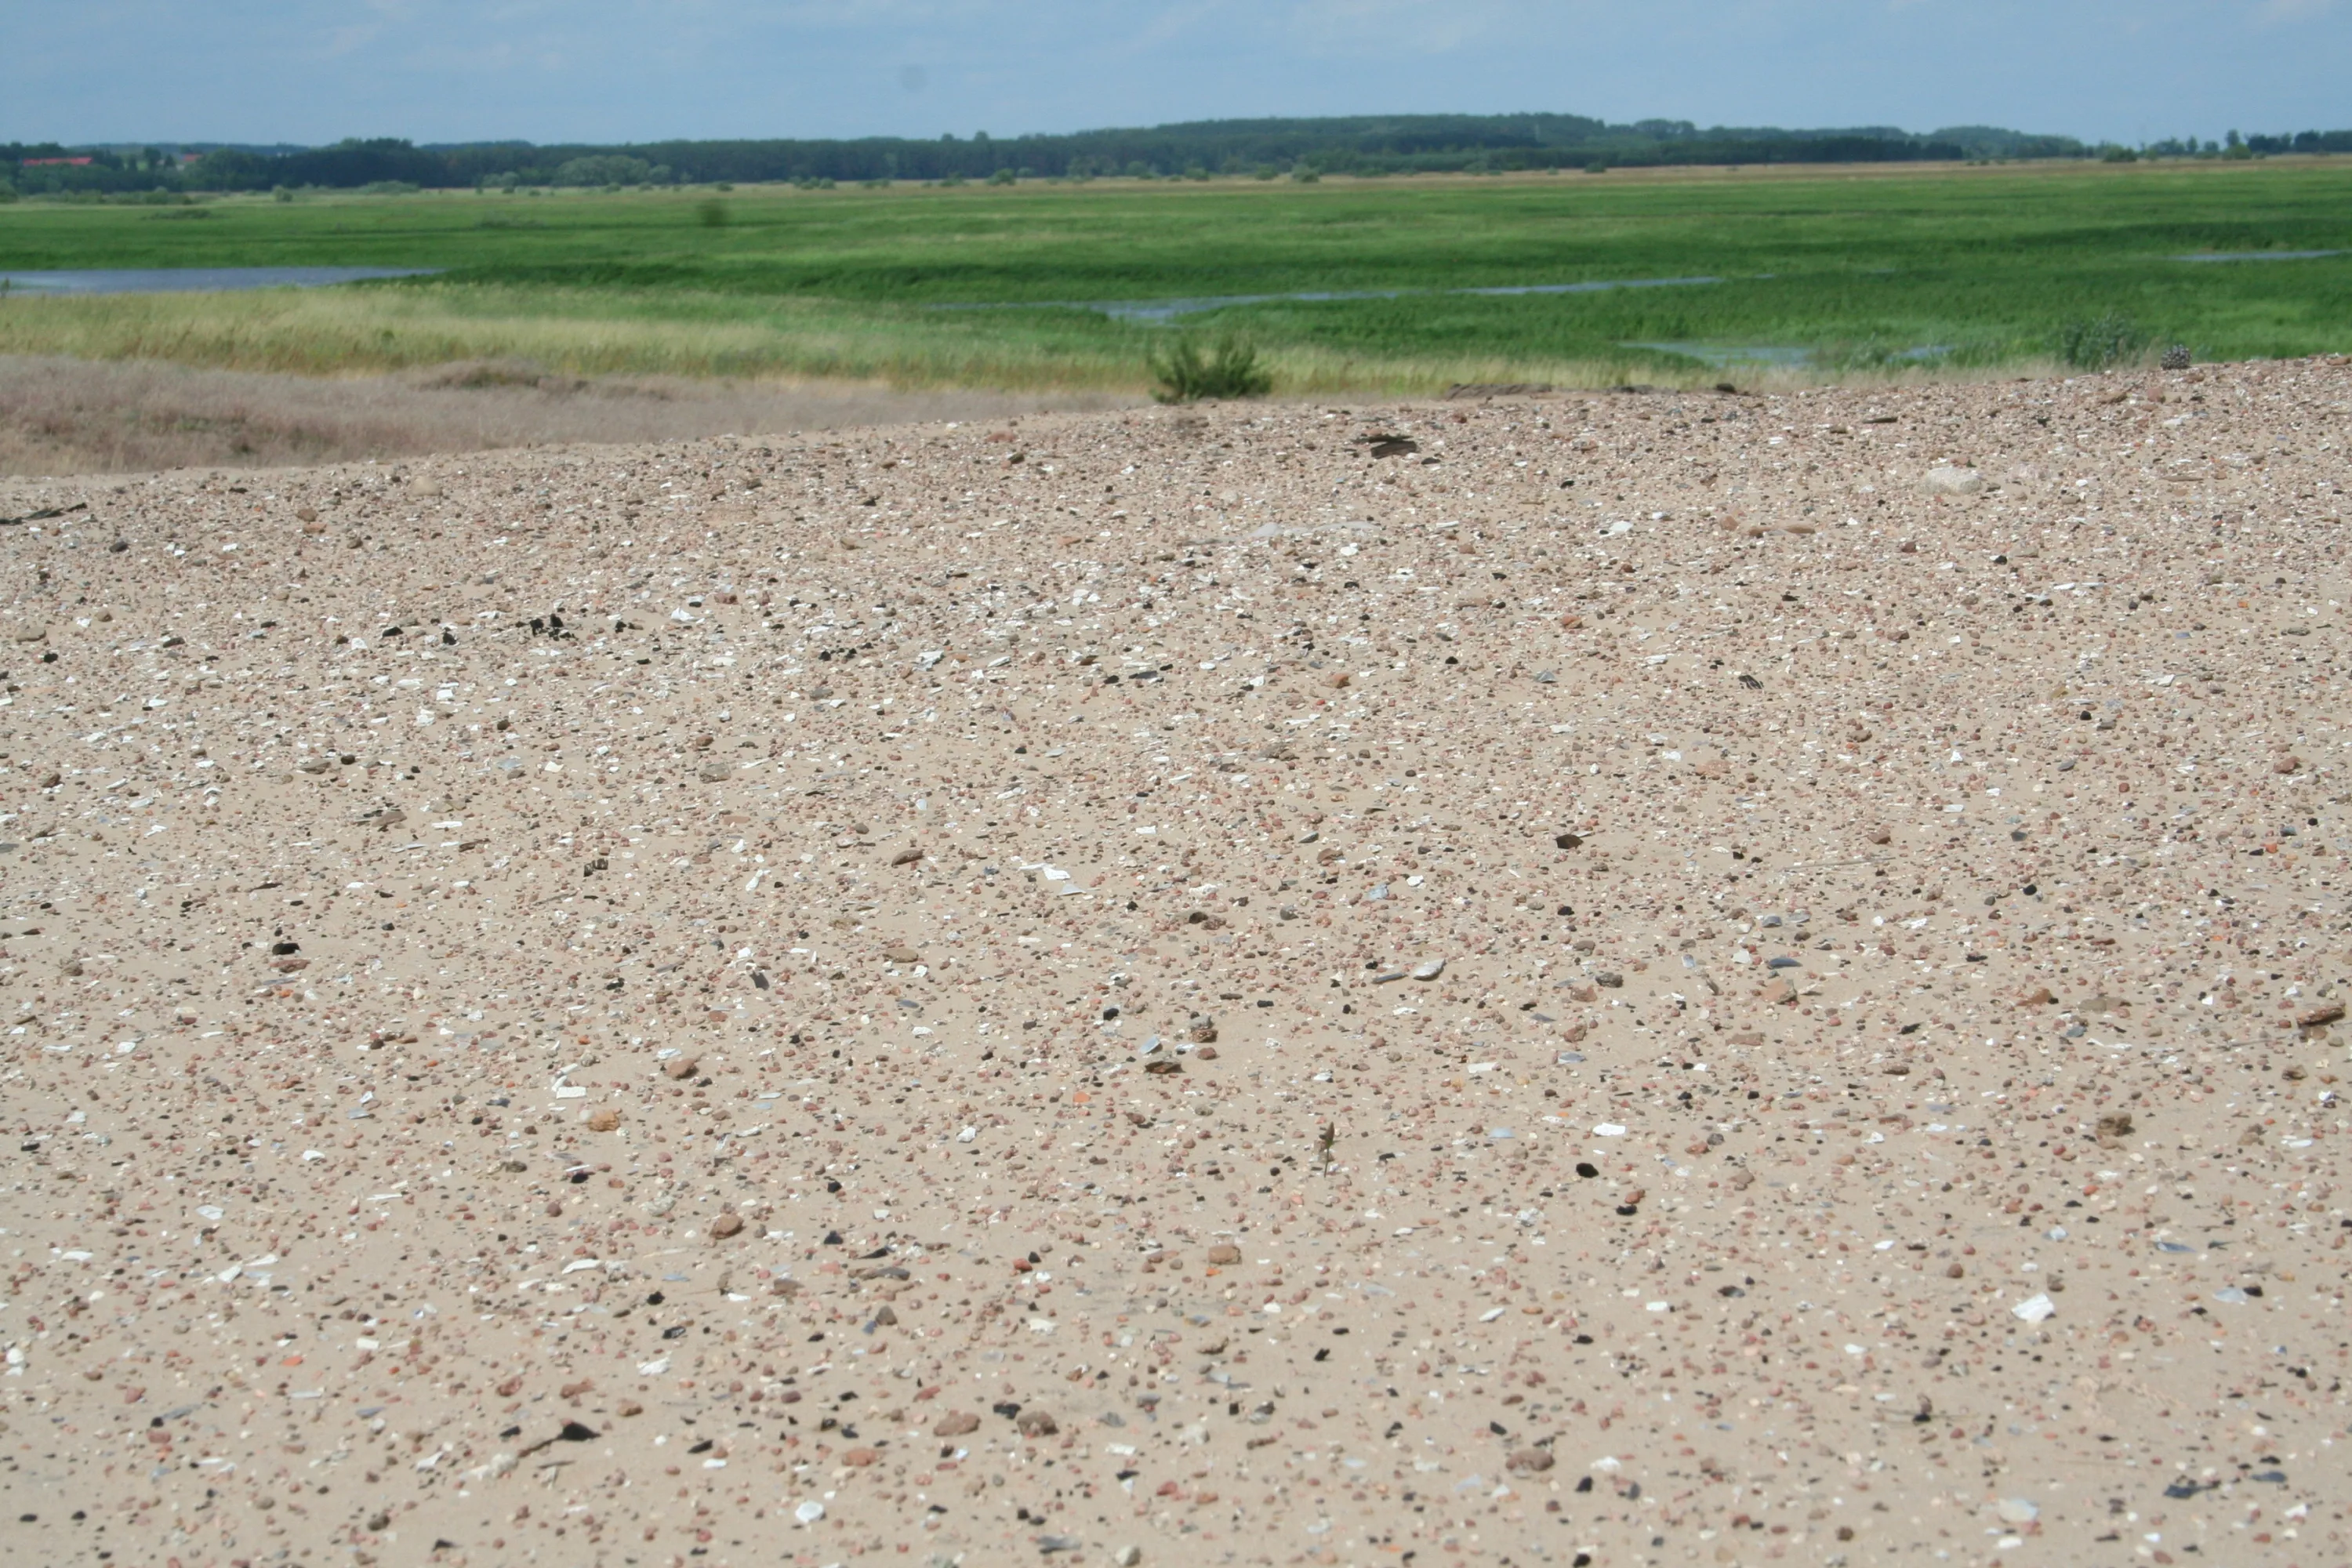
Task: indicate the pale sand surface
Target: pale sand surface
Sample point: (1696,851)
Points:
(908,1032)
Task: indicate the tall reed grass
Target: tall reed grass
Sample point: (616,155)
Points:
(1358,288)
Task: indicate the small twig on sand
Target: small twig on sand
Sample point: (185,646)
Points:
(47,513)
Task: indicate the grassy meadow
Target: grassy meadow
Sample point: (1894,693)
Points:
(1894,271)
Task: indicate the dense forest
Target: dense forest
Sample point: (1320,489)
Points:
(1369,145)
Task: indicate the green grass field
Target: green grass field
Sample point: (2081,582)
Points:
(1832,272)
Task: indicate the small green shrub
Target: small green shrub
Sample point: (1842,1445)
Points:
(710,213)
(2097,341)
(1002,177)
(1229,368)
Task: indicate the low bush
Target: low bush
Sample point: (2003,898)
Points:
(1229,368)
(2095,342)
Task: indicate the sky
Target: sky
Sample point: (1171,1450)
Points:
(313,71)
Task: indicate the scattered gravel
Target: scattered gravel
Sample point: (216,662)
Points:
(792,998)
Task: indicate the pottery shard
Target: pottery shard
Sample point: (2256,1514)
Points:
(860,1458)
(955,1423)
(2287,764)
(1037,1424)
(604,1121)
(2320,1017)
(678,1066)
(1530,1461)
(2040,998)
(726,1225)
(1225,1252)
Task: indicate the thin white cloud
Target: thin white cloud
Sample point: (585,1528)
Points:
(351,38)
(1386,26)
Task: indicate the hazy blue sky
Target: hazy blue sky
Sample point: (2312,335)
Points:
(613,70)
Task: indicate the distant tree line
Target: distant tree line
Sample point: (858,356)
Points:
(1366,145)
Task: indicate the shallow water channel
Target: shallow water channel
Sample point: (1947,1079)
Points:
(194,280)
(1158,311)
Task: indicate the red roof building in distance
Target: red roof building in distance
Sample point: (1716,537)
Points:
(46,163)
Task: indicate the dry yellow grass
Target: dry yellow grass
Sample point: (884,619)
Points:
(374,332)
(61,415)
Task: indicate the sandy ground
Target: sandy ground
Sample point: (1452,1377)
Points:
(81,417)
(1640,979)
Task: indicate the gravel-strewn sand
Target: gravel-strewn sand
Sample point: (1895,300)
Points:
(911,1025)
